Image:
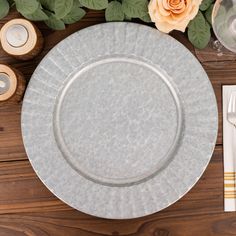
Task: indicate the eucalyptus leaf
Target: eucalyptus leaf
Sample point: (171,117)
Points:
(48,4)
(4,8)
(74,15)
(38,15)
(114,12)
(208,14)
(146,18)
(205,4)
(26,6)
(135,8)
(62,8)
(199,32)
(55,23)
(94,4)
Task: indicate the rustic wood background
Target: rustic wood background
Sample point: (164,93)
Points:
(28,208)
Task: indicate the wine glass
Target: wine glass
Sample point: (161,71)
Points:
(221,49)
(224,23)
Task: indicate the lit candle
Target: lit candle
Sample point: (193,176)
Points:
(22,39)
(12,84)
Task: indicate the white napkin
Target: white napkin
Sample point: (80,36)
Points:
(229,142)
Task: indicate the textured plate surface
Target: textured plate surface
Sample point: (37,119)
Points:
(119,120)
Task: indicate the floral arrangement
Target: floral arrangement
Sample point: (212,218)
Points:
(193,16)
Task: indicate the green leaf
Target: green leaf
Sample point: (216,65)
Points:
(4,8)
(208,14)
(135,8)
(127,18)
(26,6)
(55,23)
(38,15)
(146,18)
(11,3)
(48,4)
(78,3)
(75,14)
(199,32)
(94,4)
(205,4)
(62,8)
(114,12)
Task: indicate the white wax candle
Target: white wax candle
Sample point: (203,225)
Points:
(17,35)
(4,83)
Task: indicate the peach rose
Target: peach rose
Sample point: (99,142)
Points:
(173,14)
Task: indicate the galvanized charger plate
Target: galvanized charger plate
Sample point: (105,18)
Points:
(119,120)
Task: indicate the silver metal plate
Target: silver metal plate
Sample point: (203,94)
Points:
(119,120)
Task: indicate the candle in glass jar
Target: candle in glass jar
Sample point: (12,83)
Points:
(20,38)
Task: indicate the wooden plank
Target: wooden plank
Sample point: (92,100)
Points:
(22,191)
(72,223)
(11,145)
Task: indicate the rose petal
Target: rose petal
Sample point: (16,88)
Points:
(164,26)
(178,11)
(162,10)
(174,4)
(194,9)
(171,20)
(152,8)
(184,14)
(166,5)
(182,25)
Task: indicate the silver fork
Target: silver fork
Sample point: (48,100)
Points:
(231,113)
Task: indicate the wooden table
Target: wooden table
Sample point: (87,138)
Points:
(28,208)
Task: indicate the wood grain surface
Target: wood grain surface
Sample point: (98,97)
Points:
(27,208)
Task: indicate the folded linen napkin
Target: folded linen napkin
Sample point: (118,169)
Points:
(229,142)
